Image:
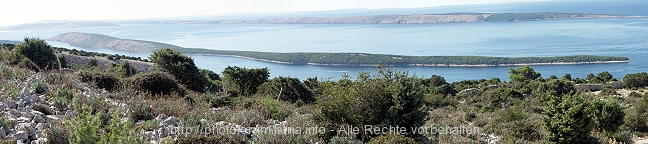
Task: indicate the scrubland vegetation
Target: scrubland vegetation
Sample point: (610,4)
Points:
(122,104)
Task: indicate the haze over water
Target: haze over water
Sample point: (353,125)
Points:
(615,37)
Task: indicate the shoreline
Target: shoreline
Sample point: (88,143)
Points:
(421,65)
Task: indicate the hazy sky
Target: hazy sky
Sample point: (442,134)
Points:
(26,11)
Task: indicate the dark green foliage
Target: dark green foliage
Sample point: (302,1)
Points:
(435,81)
(437,101)
(445,89)
(605,76)
(523,74)
(568,119)
(141,111)
(608,91)
(637,117)
(57,134)
(43,109)
(214,82)
(602,77)
(384,99)
(392,139)
(124,69)
(182,67)
(636,80)
(247,80)
(63,61)
(39,52)
(40,86)
(210,74)
(514,123)
(566,77)
(99,79)
(92,63)
(608,115)
(287,89)
(156,82)
(28,64)
(555,87)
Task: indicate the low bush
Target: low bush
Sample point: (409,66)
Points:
(156,83)
(57,134)
(211,139)
(391,139)
(43,109)
(40,86)
(99,79)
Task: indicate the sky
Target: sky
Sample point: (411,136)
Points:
(15,12)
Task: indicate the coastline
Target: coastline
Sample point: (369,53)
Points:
(421,65)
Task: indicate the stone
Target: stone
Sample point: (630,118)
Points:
(70,113)
(163,132)
(43,98)
(2,133)
(26,127)
(2,106)
(42,126)
(172,121)
(34,98)
(41,140)
(14,112)
(39,119)
(23,120)
(52,118)
(20,135)
(28,115)
(161,117)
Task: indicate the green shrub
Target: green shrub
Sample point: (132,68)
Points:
(57,134)
(65,92)
(40,86)
(61,103)
(211,139)
(156,82)
(384,99)
(246,80)
(4,124)
(99,79)
(344,140)
(273,109)
(124,69)
(392,139)
(28,64)
(608,115)
(182,67)
(39,52)
(141,110)
(636,80)
(568,119)
(63,61)
(217,100)
(608,91)
(287,89)
(278,137)
(43,109)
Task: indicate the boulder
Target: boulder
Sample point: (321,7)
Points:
(28,128)
(20,135)
(2,133)
(39,119)
(174,121)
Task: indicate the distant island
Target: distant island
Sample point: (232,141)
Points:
(56,25)
(340,59)
(406,19)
